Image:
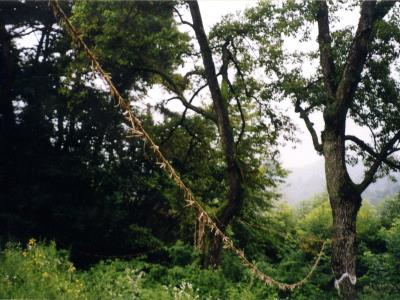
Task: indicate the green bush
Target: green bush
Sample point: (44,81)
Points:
(41,271)
(38,271)
(382,279)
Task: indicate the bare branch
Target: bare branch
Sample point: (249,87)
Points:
(181,18)
(23,32)
(393,150)
(170,99)
(383,7)
(310,126)
(240,73)
(364,146)
(371,130)
(243,127)
(198,91)
(242,117)
(183,117)
(173,86)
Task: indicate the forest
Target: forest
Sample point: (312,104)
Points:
(140,150)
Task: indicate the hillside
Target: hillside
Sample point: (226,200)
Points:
(304,182)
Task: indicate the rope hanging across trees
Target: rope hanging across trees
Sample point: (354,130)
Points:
(136,130)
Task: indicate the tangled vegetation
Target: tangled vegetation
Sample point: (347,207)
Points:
(42,270)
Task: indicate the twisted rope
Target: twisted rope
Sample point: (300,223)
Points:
(136,130)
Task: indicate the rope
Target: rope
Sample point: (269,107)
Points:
(136,130)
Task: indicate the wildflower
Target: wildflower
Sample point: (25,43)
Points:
(45,275)
(71,268)
(31,243)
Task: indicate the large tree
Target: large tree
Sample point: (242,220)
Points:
(67,171)
(235,106)
(355,79)
(233,171)
(239,136)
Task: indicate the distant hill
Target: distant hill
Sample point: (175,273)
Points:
(304,182)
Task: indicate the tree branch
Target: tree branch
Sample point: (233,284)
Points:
(370,13)
(7,76)
(310,126)
(380,157)
(383,7)
(181,18)
(364,146)
(194,72)
(242,117)
(198,91)
(243,127)
(183,117)
(226,57)
(23,32)
(324,41)
(367,148)
(234,176)
(173,86)
(171,132)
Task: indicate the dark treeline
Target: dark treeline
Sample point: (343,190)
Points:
(67,171)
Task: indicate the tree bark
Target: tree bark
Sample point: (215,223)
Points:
(345,201)
(235,189)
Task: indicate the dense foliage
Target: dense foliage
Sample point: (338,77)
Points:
(41,270)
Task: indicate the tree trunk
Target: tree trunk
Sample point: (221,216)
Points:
(345,201)
(234,178)
(344,212)
(225,216)
(344,195)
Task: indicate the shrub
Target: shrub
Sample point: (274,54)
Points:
(38,271)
